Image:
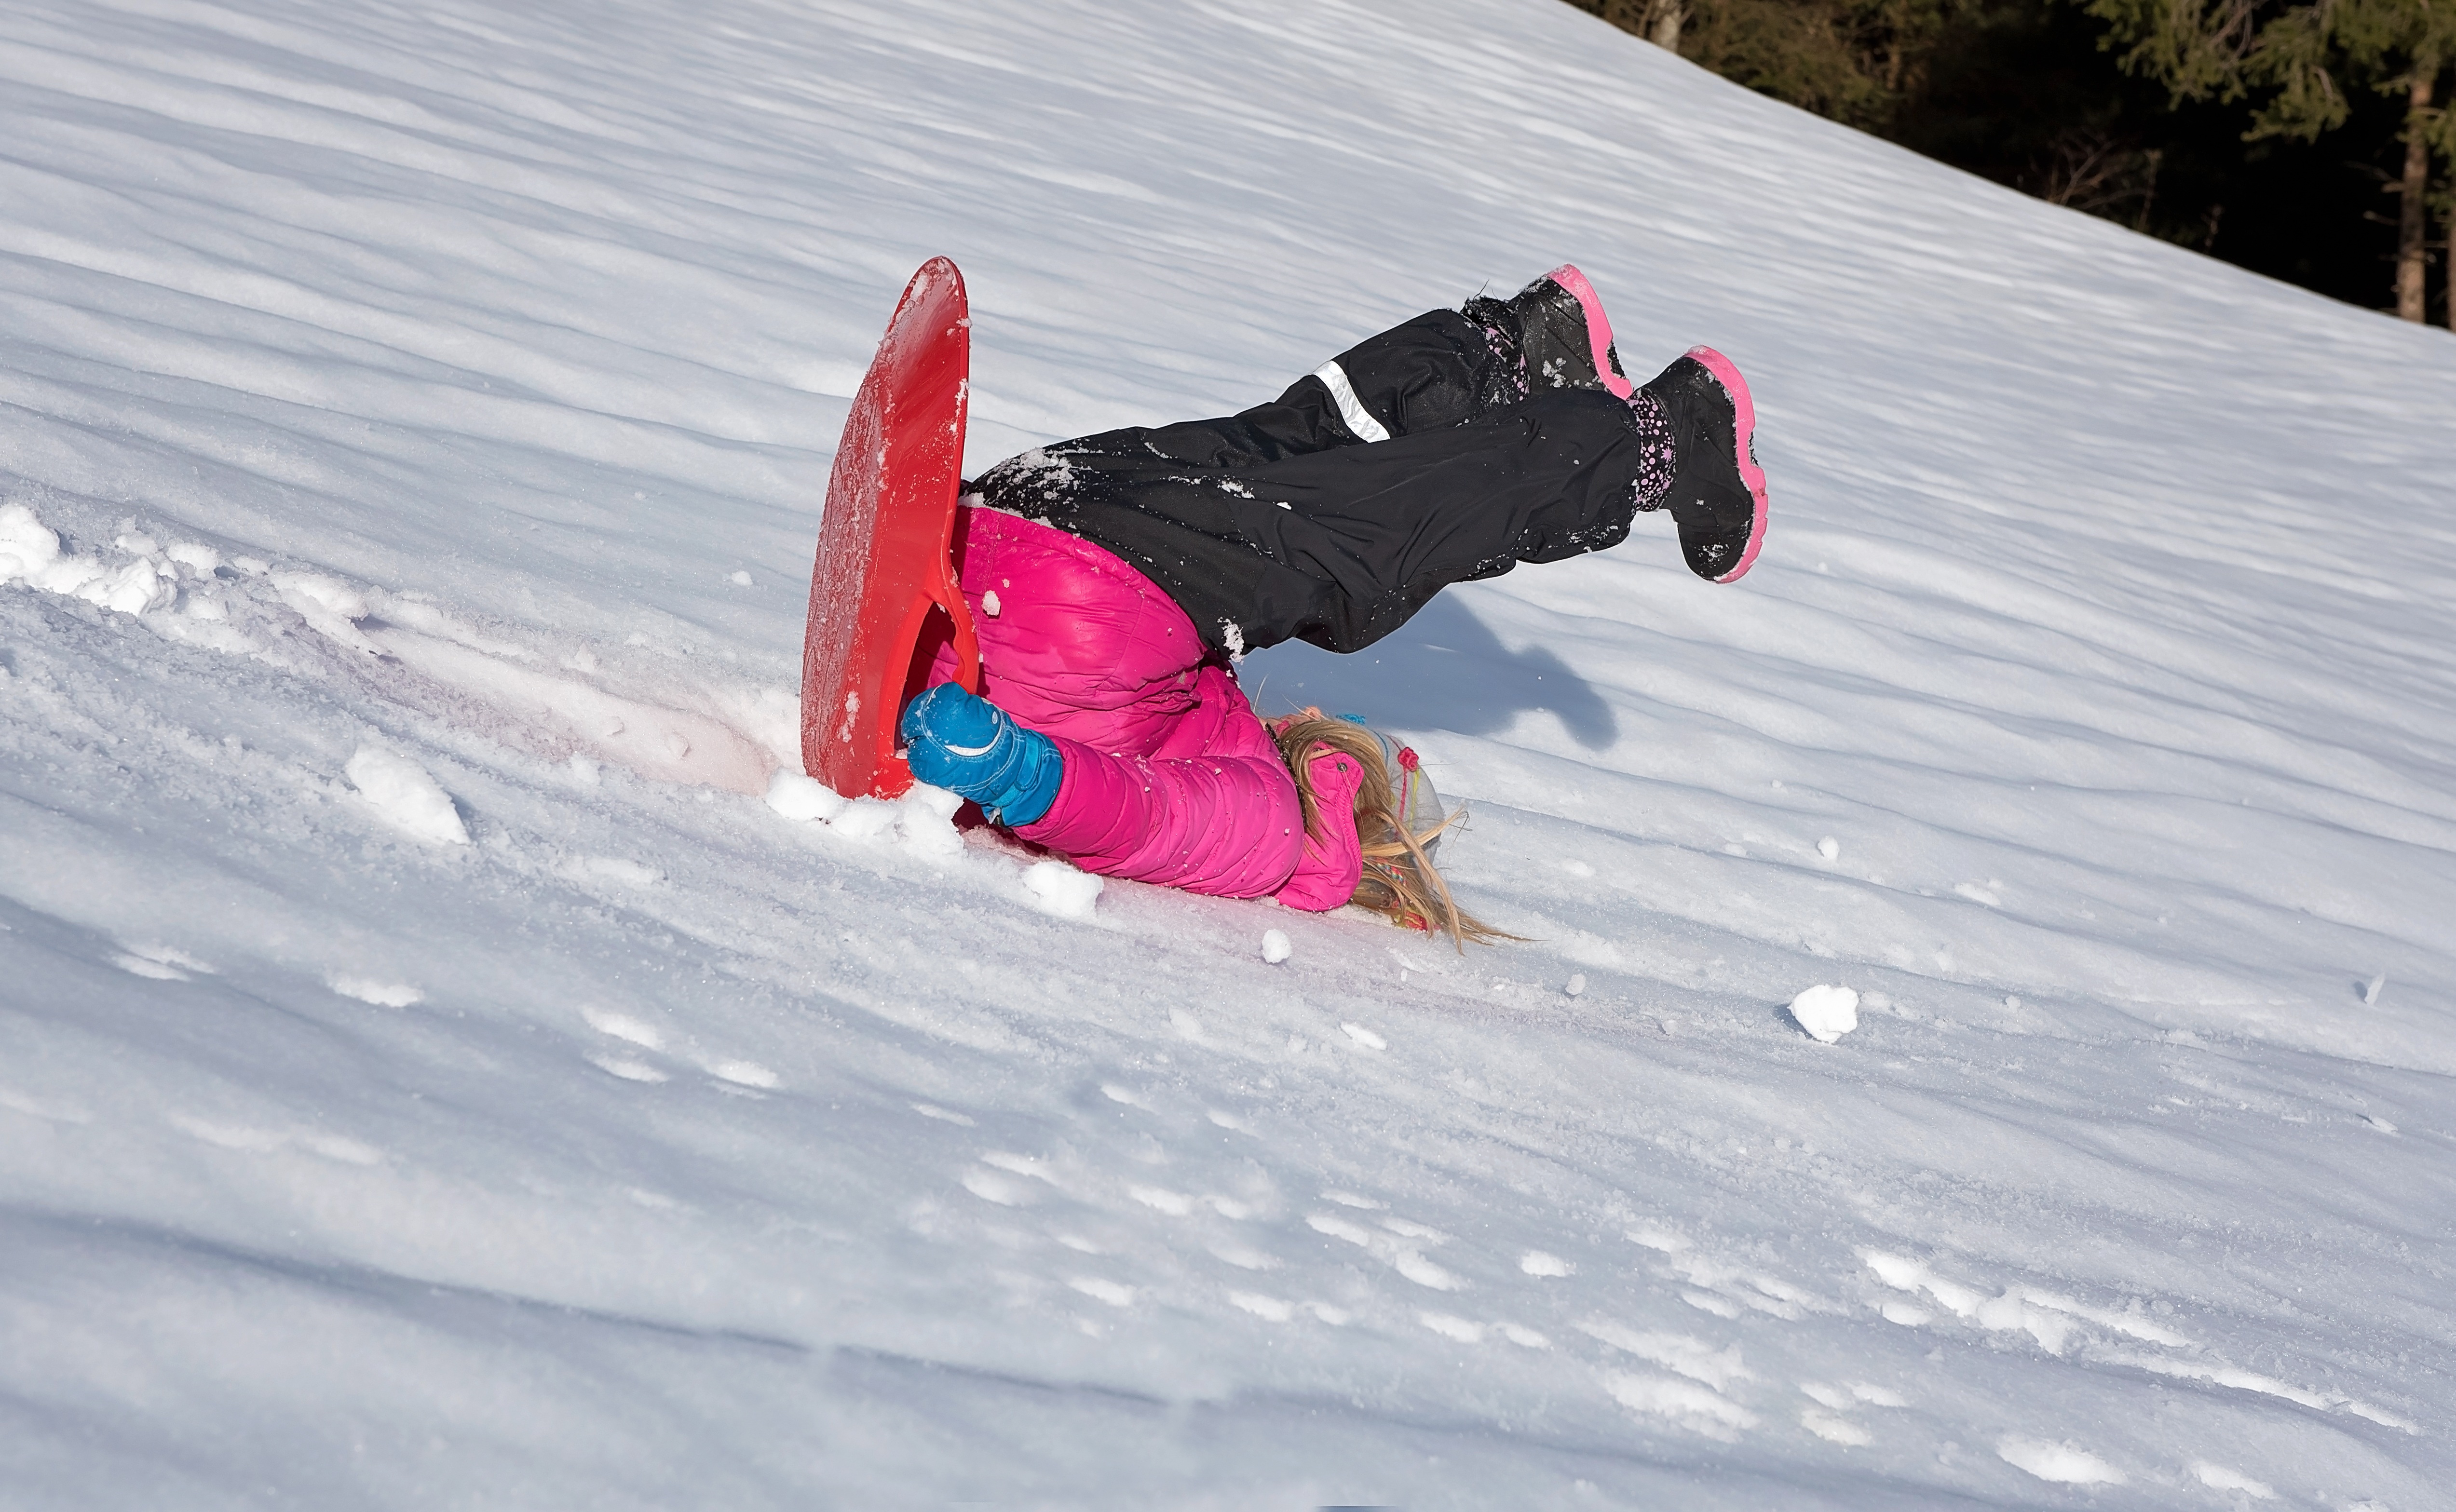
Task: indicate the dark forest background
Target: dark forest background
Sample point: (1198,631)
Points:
(2053,99)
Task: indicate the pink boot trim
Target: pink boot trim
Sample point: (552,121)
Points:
(1745,432)
(1599,332)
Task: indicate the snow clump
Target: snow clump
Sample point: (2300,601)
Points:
(1827,1012)
(1276,947)
(865,818)
(201,560)
(926,819)
(27,548)
(405,796)
(382,994)
(331,607)
(30,552)
(804,799)
(1060,890)
(923,821)
(2217,1478)
(2059,1463)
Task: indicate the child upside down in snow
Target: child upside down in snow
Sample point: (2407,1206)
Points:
(1115,579)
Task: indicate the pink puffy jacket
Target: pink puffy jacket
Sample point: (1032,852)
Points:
(1170,777)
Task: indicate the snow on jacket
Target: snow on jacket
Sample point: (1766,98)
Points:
(1170,777)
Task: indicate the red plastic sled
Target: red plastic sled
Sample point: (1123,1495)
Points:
(885,544)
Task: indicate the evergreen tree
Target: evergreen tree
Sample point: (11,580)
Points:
(2029,93)
(2304,60)
(1853,61)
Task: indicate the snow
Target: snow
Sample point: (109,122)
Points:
(2217,1478)
(1276,949)
(370,990)
(403,794)
(1827,1011)
(1060,890)
(2058,1461)
(418,381)
(30,553)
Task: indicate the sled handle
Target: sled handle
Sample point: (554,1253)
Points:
(968,641)
(943,591)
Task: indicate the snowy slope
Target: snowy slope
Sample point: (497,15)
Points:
(431,1076)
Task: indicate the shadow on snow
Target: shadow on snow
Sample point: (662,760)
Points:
(1441,670)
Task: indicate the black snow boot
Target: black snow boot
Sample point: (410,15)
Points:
(1718,492)
(1561,333)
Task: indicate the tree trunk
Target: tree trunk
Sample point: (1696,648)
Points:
(2414,223)
(1664,32)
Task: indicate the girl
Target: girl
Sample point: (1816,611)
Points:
(1116,580)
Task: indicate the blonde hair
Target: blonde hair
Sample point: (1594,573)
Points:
(1400,881)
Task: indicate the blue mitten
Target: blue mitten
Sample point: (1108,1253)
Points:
(970,746)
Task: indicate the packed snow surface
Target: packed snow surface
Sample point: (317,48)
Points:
(413,413)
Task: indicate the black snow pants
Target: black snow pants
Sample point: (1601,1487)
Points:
(1414,460)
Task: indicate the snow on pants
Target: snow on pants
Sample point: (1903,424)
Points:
(1415,460)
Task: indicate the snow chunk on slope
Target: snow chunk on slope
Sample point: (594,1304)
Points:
(382,994)
(807,798)
(1691,1406)
(331,607)
(26,545)
(30,552)
(1061,889)
(2057,1462)
(406,797)
(1827,1012)
(1681,1353)
(2217,1478)
(623,1027)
